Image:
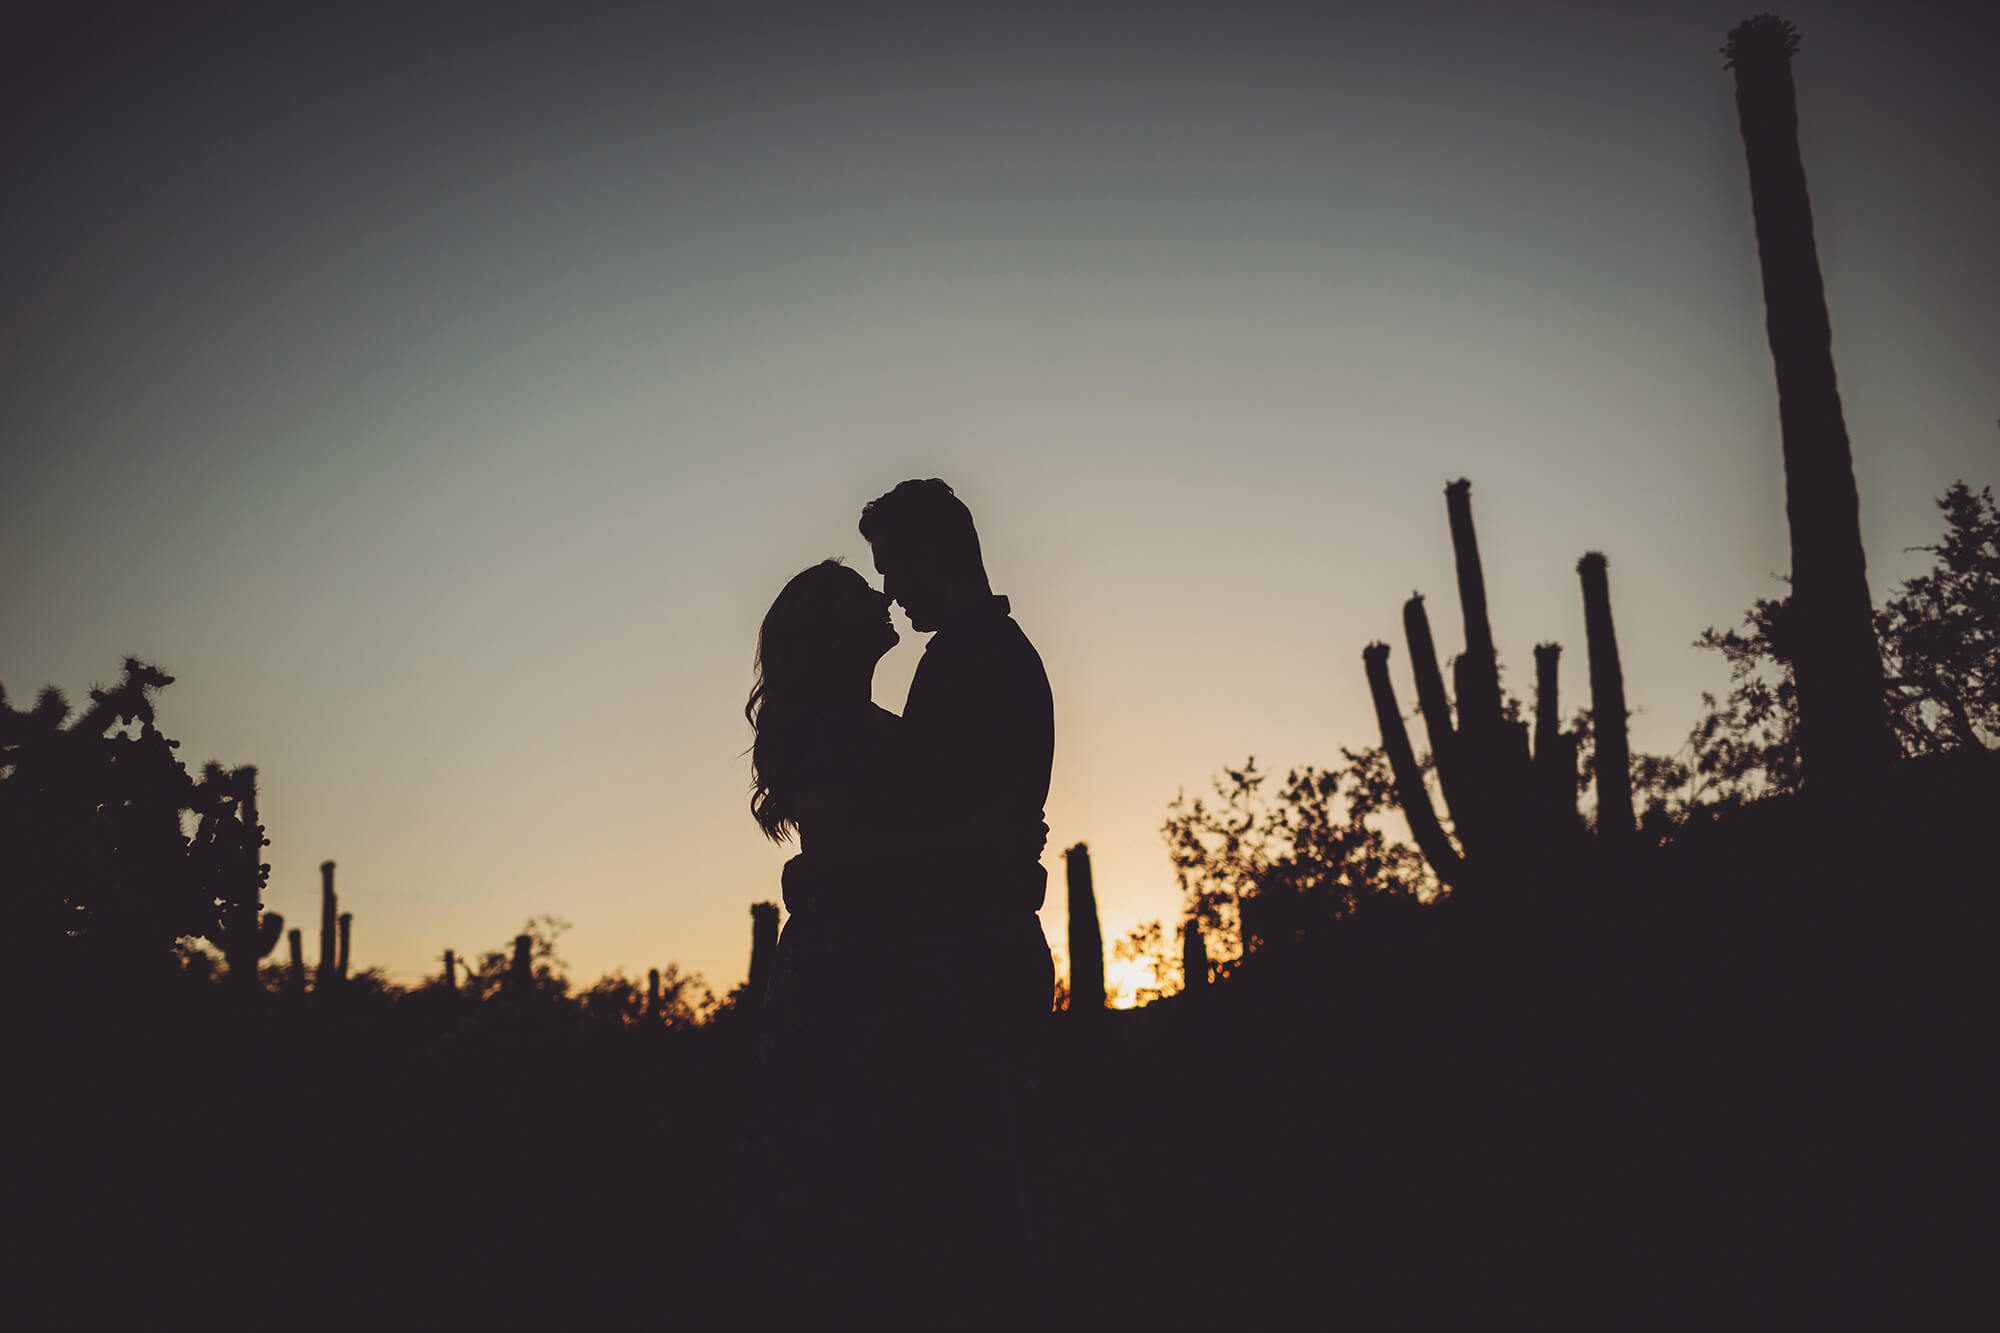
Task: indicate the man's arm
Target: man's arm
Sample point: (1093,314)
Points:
(986,720)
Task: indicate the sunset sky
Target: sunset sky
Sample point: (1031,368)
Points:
(441,394)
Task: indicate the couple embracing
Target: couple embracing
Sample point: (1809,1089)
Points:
(912,974)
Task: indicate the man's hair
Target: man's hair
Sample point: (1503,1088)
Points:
(927,520)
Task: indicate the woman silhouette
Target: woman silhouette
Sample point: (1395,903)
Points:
(859,995)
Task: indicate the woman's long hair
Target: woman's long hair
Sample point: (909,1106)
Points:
(791,688)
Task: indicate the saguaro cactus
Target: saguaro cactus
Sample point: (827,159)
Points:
(450,970)
(1608,714)
(1194,956)
(1482,756)
(1086,937)
(329,928)
(296,981)
(763,947)
(1844,735)
(521,971)
(346,938)
(652,1009)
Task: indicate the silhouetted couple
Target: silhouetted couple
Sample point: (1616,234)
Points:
(912,974)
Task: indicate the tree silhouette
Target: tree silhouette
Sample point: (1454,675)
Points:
(1938,639)
(1258,869)
(1940,635)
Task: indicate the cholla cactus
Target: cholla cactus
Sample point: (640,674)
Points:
(130,700)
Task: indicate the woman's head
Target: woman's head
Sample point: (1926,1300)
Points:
(815,652)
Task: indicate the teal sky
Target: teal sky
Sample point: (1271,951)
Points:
(442,399)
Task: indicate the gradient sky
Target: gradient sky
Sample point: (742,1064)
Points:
(442,394)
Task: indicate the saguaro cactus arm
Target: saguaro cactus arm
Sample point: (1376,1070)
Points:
(1479,705)
(1548,709)
(1411,793)
(1458,775)
(1555,749)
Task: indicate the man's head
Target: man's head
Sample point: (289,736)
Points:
(926,550)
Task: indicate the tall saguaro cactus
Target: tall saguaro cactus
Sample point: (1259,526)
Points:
(296,980)
(1086,937)
(1844,734)
(329,928)
(1608,714)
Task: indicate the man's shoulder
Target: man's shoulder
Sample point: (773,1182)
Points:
(1017,639)
(999,639)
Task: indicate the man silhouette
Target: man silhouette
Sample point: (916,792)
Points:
(980,726)
(980,719)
